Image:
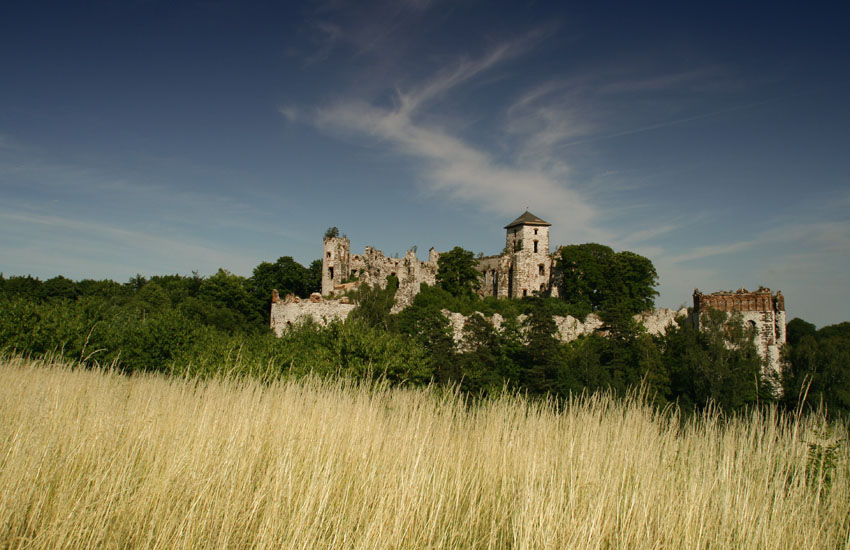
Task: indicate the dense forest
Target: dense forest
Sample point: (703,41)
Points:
(201,326)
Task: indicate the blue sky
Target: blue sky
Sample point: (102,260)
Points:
(164,137)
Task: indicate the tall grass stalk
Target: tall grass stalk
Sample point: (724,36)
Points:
(92,458)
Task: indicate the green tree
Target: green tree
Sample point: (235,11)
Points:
(152,297)
(424,322)
(484,363)
(103,289)
(718,363)
(584,271)
(60,287)
(797,329)
(314,277)
(817,368)
(136,283)
(456,272)
(286,275)
(631,283)
(374,304)
(595,277)
(224,302)
(543,353)
(332,232)
(29,287)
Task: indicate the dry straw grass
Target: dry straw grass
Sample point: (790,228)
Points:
(95,459)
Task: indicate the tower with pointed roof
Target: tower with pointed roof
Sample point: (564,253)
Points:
(527,244)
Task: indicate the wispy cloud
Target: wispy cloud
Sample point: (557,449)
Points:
(801,258)
(636,237)
(703,252)
(289,112)
(116,193)
(463,71)
(453,167)
(68,246)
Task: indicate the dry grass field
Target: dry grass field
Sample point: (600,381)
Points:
(95,459)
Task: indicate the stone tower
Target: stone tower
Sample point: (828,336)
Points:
(335,262)
(527,244)
(762,310)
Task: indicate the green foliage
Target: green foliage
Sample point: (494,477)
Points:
(332,233)
(153,297)
(224,302)
(27,286)
(593,276)
(425,324)
(116,292)
(61,288)
(716,365)
(485,362)
(583,273)
(34,327)
(286,276)
(374,304)
(796,329)
(313,280)
(543,355)
(456,272)
(150,342)
(817,368)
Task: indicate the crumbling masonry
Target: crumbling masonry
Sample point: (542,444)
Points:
(524,268)
(763,311)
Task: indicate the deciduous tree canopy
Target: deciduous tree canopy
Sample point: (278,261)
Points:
(595,276)
(456,272)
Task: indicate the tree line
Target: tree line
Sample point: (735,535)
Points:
(220,324)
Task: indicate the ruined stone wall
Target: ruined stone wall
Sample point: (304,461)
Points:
(373,268)
(656,322)
(291,311)
(525,268)
(492,273)
(761,310)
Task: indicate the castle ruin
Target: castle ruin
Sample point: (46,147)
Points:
(761,310)
(524,268)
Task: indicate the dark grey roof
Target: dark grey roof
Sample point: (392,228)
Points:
(527,219)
